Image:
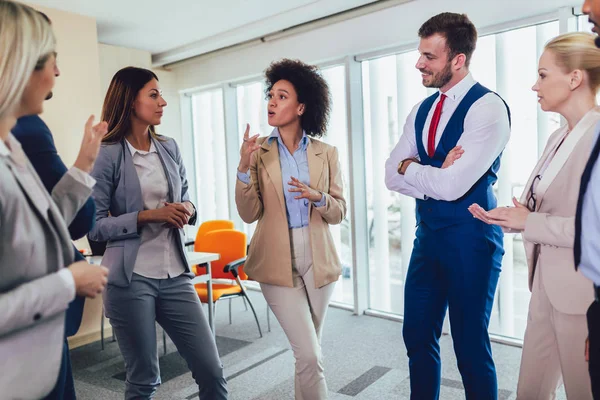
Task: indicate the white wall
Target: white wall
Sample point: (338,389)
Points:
(77,90)
(382,29)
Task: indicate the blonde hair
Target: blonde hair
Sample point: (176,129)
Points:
(25,38)
(577,50)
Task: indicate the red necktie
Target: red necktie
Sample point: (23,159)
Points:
(433,126)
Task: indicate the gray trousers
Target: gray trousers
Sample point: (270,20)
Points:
(301,312)
(174,304)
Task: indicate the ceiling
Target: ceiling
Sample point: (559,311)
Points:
(177,29)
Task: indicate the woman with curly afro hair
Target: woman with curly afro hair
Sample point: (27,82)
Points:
(291,183)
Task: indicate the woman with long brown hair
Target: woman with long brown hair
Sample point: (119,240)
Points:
(142,206)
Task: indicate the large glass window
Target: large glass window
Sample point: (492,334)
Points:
(391,88)
(209,152)
(337,135)
(251,110)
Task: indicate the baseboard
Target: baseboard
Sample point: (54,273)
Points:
(82,340)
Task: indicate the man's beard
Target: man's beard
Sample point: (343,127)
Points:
(441,79)
(49,96)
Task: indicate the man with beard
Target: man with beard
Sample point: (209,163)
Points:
(448,158)
(38,144)
(587,230)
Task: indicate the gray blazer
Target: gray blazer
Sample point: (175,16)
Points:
(118,197)
(34,245)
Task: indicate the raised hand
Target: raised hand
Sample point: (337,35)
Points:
(452,156)
(90,145)
(249,146)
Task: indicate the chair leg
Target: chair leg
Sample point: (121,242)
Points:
(268,318)
(253,312)
(230,311)
(215,315)
(245,304)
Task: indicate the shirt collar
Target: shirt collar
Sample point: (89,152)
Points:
(15,152)
(133,150)
(461,88)
(4,151)
(276,136)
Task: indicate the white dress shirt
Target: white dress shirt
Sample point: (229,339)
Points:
(14,152)
(590,225)
(486,133)
(158,256)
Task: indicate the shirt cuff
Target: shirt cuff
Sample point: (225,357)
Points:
(244,177)
(321,202)
(82,177)
(67,278)
(410,176)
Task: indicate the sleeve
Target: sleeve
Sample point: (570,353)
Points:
(36,300)
(70,194)
(32,301)
(244,177)
(405,148)
(247,195)
(486,133)
(109,227)
(543,228)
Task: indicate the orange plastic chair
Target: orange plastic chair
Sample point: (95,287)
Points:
(231,245)
(209,226)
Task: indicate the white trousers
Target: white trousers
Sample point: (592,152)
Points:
(301,311)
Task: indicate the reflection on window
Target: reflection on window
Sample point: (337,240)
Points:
(391,88)
(209,151)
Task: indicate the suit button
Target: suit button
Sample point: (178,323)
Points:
(37,317)
(125,230)
(429,210)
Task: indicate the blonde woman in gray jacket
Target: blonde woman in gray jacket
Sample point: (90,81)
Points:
(35,246)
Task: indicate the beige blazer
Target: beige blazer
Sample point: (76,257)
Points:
(269,257)
(550,230)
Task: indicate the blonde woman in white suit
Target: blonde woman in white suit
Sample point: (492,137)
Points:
(554,344)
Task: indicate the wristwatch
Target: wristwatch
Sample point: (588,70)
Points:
(401,163)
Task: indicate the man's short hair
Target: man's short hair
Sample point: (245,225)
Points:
(457,29)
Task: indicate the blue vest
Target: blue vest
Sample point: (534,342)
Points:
(438,214)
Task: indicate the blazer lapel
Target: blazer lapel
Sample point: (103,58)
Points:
(588,121)
(51,217)
(133,200)
(316,165)
(270,159)
(550,147)
(24,187)
(171,171)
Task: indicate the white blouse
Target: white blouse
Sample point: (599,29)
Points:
(158,256)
